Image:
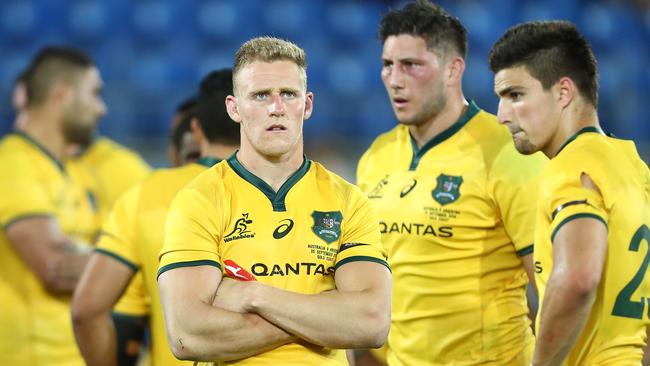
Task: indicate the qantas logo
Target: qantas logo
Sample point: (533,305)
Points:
(414,228)
(287,269)
(235,271)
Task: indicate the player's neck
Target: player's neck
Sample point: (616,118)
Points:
(572,122)
(453,110)
(274,170)
(46,132)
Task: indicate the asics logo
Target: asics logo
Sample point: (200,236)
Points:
(283,229)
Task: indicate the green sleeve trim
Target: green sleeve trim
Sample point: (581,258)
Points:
(573,217)
(28,216)
(361,258)
(119,258)
(525,251)
(204,262)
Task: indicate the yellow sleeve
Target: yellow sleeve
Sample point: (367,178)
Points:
(127,171)
(360,236)
(118,237)
(25,195)
(136,300)
(565,199)
(192,232)
(514,180)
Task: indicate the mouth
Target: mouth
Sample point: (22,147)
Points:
(276,128)
(399,102)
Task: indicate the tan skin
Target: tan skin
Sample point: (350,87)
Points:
(542,120)
(97,292)
(55,259)
(271,103)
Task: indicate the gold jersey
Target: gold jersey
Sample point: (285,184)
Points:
(35,325)
(455,216)
(615,331)
(293,239)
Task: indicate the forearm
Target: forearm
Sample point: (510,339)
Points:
(96,339)
(211,334)
(64,272)
(355,319)
(563,316)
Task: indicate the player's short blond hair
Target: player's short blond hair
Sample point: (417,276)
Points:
(269,49)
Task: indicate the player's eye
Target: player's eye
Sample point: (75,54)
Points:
(288,94)
(515,96)
(260,96)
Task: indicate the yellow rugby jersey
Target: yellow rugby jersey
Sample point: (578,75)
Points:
(108,169)
(35,325)
(134,233)
(293,239)
(455,216)
(615,330)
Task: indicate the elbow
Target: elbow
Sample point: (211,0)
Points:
(378,322)
(583,284)
(181,346)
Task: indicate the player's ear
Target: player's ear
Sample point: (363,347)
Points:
(456,69)
(197,131)
(566,91)
(309,105)
(231,107)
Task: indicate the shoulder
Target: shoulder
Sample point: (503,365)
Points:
(394,137)
(108,151)
(328,180)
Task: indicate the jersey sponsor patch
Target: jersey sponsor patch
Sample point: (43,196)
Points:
(236,271)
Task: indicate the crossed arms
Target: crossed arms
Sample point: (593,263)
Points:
(248,318)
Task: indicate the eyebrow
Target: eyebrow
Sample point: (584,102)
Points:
(507,90)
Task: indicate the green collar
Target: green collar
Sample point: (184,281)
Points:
(208,161)
(472,110)
(42,148)
(572,138)
(276,198)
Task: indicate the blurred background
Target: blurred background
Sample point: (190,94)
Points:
(152,54)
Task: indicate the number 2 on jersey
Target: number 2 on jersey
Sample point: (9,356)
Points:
(624,306)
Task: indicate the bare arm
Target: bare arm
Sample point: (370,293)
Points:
(356,315)
(100,287)
(55,259)
(531,290)
(579,251)
(199,331)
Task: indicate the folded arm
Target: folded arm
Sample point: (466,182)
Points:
(55,259)
(355,315)
(199,331)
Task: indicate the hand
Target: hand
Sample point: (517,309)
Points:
(233,295)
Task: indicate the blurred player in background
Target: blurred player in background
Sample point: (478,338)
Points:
(592,240)
(183,114)
(45,214)
(270,214)
(133,235)
(186,148)
(456,204)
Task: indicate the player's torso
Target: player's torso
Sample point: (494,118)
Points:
(288,240)
(158,192)
(456,278)
(38,323)
(615,330)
